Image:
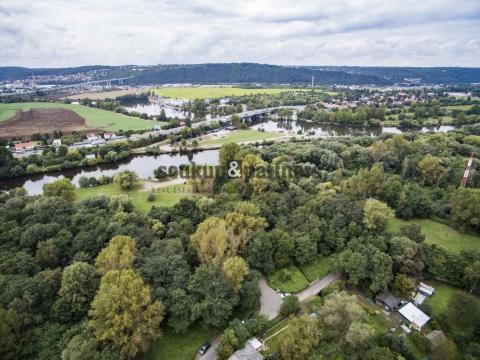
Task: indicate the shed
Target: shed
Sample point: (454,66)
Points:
(419,299)
(388,301)
(247,353)
(414,315)
(426,289)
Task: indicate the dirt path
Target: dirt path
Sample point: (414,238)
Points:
(149,185)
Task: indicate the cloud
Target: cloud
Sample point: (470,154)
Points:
(48,33)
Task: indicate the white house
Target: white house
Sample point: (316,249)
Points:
(109,135)
(57,142)
(425,289)
(90,156)
(91,137)
(414,315)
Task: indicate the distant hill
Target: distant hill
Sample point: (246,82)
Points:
(263,73)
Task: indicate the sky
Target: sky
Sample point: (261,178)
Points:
(61,33)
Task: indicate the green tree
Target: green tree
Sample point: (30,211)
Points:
(227,345)
(126,179)
(122,313)
(358,333)
(63,188)
(431,169)
(235,270)
(10,335)
(79,284)
(289,306)
(402,286)
(466,209)
(300,338)
(214,297)
(472,277)
(376,214)
(118,254)
(212,241)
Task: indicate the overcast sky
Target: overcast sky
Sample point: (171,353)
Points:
(55,33)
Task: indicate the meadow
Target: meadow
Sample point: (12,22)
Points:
(440,234)
(211,92)
(240,136)
(94,118)
(164,197)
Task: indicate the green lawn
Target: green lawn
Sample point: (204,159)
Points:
(440,234)
(167,196)
(239,136)
(317,269)
(210,92)
(173,346)
(296,283)
(94,118)
(440,300)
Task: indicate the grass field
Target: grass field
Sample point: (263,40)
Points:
(167,196)
(440,234)
(105,94)
(439,303)
(94,118)
(173,346)
(296,283)
(210,92)
(239,136)
(317,269)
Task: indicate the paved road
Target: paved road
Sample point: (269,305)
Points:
(270,300)
(270,303)
(211,354)
(318,286)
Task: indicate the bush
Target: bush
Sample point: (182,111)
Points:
(83,182)
(151,196)
(126,179)
(289,306)
(285,275)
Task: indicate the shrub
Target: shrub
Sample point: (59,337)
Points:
(151,196)
(289,306)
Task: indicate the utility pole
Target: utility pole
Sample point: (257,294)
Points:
(467,171)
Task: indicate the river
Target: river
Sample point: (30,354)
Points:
(144,165)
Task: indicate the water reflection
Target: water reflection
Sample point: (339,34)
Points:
(143,165)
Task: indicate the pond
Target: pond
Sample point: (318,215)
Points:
(143,165)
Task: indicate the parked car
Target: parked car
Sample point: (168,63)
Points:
(204,348)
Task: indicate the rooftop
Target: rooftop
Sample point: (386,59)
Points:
(414,315)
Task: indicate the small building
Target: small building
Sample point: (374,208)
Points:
(109,135)
(90,156)
(436,338)
(388,301)
(425,289)
(25,146)
(57,142)
(419,299)
(91,137)
(416,317)
(249,352)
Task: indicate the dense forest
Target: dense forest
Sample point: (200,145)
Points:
(96,279)
(263,73)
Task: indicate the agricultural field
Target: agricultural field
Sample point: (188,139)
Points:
(211,92)
(441,234)
(165,197)
(104,94)
(24,119)
(239,136)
